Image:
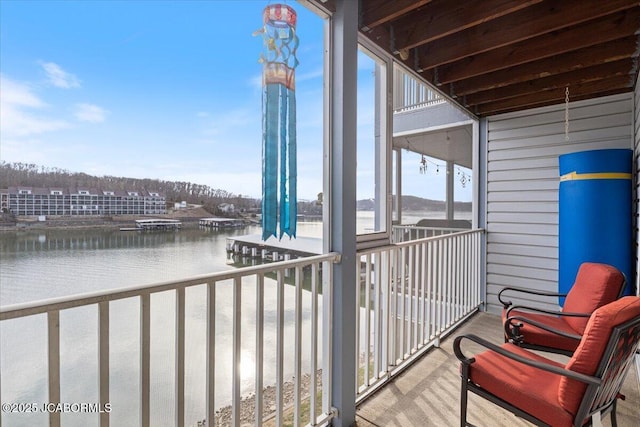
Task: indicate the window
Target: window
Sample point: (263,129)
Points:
(373,151)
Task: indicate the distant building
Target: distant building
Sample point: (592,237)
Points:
(226,207)
(32,201)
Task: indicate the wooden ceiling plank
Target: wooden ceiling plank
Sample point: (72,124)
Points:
(588,90)
(574,60)
(584,75)
(620,25)
(378,12)
(537,20)
(444,17)
(551,102)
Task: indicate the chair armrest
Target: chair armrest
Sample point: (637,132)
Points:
(512,330)
(506,304)
(542,310)
(533,363)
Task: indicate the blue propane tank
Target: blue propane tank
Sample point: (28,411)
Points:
(595,221)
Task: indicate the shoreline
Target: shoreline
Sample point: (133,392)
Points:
(190,218)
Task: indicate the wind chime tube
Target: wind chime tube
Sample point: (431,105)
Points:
(269,162)
(293,167)
(279,169)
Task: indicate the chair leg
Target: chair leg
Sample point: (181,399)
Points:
(614,418)
(463,396)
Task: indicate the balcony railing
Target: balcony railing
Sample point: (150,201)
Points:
(411,94)
(409,294)
(312,273)
(404,233)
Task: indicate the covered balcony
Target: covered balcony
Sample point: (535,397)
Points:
(358,334)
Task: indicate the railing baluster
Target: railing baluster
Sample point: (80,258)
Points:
(367,325)
(403,287)
(377,315)
(180,330)
(145,359)
(423,296)
(259,348)
(358,309)
(237,351)
(297,347)
(279,346)
(327,308)
(53,328)
(409,299)
(313,385)
(103,359)
(393,305)
(211,354)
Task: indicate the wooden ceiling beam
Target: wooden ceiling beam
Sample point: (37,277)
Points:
(575,60)
(597,88)
(598,72)
(617,26)
(378,12)
(525,24)
(444,17)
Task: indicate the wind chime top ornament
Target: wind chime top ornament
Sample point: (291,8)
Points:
(279,166)
(279,34)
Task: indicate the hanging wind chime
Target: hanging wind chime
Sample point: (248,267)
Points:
(279,167)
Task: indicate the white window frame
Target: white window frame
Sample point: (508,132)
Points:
(383,159)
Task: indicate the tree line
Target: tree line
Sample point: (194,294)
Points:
(31,175)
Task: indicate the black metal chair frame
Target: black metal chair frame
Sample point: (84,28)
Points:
(513,324)
(602,390)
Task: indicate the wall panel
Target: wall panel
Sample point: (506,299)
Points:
(522,185)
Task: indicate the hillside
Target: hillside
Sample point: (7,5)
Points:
(417,204)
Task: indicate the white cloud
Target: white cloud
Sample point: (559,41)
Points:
(90,113)
(58,77)
(18,111)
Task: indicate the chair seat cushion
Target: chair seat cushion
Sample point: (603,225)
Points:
(537,336)
(532,390)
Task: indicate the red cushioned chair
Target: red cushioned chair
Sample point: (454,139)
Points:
(560,331)
(548,393)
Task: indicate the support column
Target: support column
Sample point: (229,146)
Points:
(450,192)
(399,185)
(340,209)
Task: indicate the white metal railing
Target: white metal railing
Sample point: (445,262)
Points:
(411,94)
(404,233)
(314,271)
(410,294)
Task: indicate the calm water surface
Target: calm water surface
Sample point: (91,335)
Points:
(38,265)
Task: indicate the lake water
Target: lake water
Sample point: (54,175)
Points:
(38,265)
(43,264)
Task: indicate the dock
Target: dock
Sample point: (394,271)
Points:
(221,222)
(158,224)
(273,249)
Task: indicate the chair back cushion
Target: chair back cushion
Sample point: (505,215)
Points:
(595,285)
(592,346)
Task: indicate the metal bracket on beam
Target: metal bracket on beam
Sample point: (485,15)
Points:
(392,40)
(436,78)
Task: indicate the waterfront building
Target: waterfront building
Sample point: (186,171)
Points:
(55,201)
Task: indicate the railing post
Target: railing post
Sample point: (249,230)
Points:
(340,185)
(53,320)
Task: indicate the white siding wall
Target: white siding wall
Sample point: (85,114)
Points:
(522,186)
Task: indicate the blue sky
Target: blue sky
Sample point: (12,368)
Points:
(159,89)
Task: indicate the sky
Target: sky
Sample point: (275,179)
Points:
(165,90)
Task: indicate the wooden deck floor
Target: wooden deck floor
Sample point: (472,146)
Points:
(427,394)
